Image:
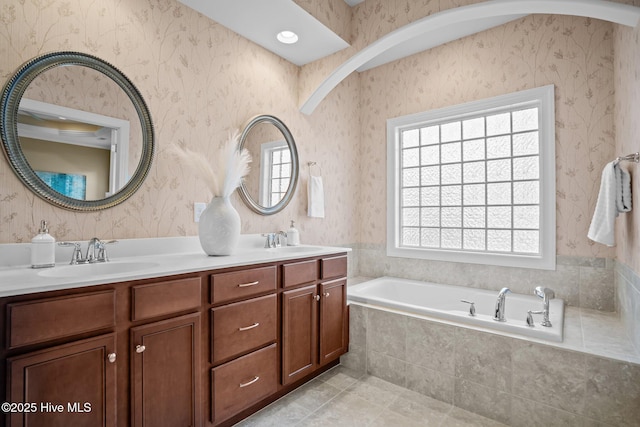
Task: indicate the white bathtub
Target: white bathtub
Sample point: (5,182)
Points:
(443,302)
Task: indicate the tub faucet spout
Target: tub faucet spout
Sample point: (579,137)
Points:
(500,303)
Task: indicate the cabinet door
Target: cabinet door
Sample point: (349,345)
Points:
(70,385)
(333,318)
(299,333)
(165,373)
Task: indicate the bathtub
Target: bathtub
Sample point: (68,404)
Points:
(444,302)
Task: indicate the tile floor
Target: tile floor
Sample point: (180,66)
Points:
(342,397)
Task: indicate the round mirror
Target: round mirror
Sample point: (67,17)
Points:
(274,173)
(76,131)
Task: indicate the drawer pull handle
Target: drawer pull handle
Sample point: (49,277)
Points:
(140,348)
(250,382)
(111,357)
(326,294)
(246,328)
(246,285)
(317,297)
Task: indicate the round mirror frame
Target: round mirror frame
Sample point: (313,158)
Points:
(9,105)
(244,193)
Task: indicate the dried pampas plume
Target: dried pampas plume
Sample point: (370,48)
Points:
(224,174)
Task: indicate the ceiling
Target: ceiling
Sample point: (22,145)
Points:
(260,21)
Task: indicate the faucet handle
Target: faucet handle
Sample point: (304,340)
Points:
(76,256)
(530,322)
(271,240)
(472,307)
(102,250)
(279,236)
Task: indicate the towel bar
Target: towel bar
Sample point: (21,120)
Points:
(635,157)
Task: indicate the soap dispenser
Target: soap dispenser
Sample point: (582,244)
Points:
(293,236)
(43,248)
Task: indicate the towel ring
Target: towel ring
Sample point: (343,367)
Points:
(311,165)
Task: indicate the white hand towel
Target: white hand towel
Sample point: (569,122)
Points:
(614,197)
(315,197)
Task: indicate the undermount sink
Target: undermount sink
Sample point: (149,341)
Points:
(293,249)
(97,269)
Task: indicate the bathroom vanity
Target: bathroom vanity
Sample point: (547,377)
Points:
(208,346)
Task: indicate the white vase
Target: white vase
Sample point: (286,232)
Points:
(219,227)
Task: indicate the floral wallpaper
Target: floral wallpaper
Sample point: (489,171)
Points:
(627,86)
(200,81)
(574,54)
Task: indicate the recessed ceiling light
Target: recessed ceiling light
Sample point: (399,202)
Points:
(287,37)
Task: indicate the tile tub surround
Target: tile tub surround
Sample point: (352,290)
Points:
(579,281)
(514,381)
(628,295)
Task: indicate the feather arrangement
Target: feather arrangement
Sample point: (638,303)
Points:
(224,174)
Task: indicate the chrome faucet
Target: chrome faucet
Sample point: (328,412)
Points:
(96,251)
(546,294)
(500,304)
(94,244)
(274,240)
(271,240)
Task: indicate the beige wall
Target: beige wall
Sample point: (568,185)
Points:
(627,121)
(574,54)
(201,80)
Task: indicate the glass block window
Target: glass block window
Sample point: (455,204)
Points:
(476,182)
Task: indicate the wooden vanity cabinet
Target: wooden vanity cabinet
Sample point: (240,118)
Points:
(244,335)
(165,373)
(66,385)
(56,374)
(333,326)
(314,316)
(299,333)
(165,354)
(172,351)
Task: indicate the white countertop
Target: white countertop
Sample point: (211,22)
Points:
(134,259)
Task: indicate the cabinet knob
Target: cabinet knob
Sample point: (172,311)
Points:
(326,294)
(111,357)
(140,348)
(317,297)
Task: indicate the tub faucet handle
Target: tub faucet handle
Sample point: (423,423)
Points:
(472,307)
(530,313)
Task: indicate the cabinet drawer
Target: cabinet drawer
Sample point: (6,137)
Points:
(241,383)
(158,299)
(299,273)
(48,319)
(243,326)
(333,267)
(245,283)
